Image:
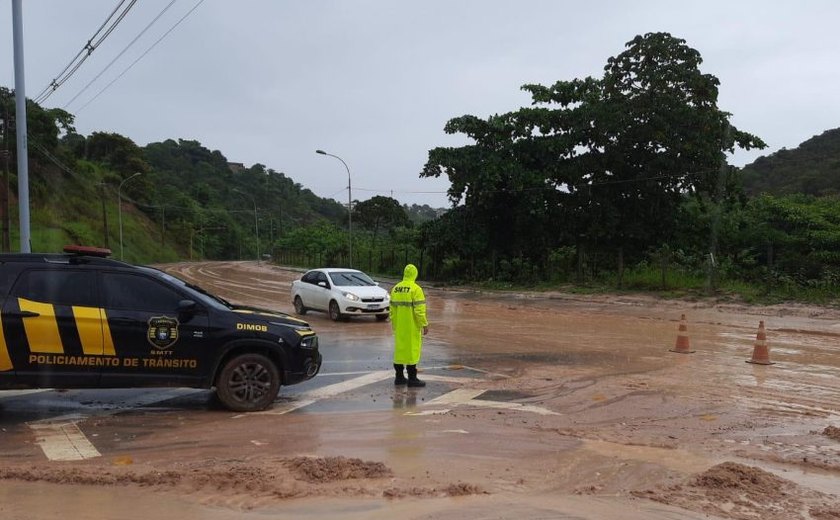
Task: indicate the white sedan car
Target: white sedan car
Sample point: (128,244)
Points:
(341,293)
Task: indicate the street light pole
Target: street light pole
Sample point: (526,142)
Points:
(119,208)
(349,206)
(20,122)
(256,225)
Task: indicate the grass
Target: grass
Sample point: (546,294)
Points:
(678,284)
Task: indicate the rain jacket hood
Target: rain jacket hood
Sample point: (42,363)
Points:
(410,273)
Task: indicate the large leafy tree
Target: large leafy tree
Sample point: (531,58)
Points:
(117,151)
(665,136)
(380,213)
(598,161)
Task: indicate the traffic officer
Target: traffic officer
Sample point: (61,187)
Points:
(408,320)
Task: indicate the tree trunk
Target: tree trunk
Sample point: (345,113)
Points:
(580,253)
(663,262)
(620,267)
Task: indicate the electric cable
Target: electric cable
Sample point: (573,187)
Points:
(51,157)
(81,56)
(44,91)
(141,33)
(91,100)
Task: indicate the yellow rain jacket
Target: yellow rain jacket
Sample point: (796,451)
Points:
(408,317)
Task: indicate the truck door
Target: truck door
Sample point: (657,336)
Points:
(7,372)
(53,328)
(156,341)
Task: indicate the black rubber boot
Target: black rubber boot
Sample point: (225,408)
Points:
(400,379)
(413,382)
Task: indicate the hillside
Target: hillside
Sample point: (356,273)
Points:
(178,200)
(812,168)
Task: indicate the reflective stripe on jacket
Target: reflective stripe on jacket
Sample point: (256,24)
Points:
(408,317)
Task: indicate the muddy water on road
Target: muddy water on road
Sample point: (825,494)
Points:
(629,418)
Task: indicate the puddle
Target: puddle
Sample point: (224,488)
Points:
(675,459)
(818,480)
(504,395)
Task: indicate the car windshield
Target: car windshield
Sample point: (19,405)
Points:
(350,278)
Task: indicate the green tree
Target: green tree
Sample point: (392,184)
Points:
(604,162)
(380,213)
(117,151)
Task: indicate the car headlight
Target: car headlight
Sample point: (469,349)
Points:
(352,297)
(309,342)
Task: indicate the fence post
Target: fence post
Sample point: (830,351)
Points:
(421,261)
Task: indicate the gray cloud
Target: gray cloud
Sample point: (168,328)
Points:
(375,81)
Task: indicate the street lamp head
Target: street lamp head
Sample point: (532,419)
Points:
(322,152)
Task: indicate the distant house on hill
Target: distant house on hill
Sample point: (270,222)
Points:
(236,167)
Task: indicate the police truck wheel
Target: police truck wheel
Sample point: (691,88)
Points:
(335,312)
(248,383)
(381,317)
(299,307)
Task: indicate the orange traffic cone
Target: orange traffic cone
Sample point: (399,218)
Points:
(761,353)
(681,347)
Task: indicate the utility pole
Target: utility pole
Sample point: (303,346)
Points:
(162,224)
(5,243)
(104,215)
(119,208)
(20,118)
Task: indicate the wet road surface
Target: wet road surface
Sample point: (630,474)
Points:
(544,405)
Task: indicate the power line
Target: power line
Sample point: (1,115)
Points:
(553,188)
(336,193)
(44,91)
(141,33)
(51,157)
(397,191)
(86,51)
(91,100)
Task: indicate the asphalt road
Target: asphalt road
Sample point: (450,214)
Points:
(544,406)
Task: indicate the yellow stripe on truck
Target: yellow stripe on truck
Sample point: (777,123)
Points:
(41,331)
(89,324)
(5,360)
(108,347)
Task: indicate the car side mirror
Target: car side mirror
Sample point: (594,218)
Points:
(186,306)
(322,284)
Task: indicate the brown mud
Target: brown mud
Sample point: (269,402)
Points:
(635,431)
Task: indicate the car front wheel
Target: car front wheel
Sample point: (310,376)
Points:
(248,383)
(335,312)
(299,307)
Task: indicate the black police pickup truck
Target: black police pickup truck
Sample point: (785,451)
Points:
(80,320)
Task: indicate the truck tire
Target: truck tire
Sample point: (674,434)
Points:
(248,383)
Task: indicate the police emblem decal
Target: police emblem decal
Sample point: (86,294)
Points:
(163,332)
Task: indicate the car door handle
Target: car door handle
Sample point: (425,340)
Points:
(26,314)
(122,321)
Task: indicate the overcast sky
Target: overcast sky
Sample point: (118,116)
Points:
(374,81)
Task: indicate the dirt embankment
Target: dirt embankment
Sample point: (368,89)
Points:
(280,478)
(741,492)
(832,432)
